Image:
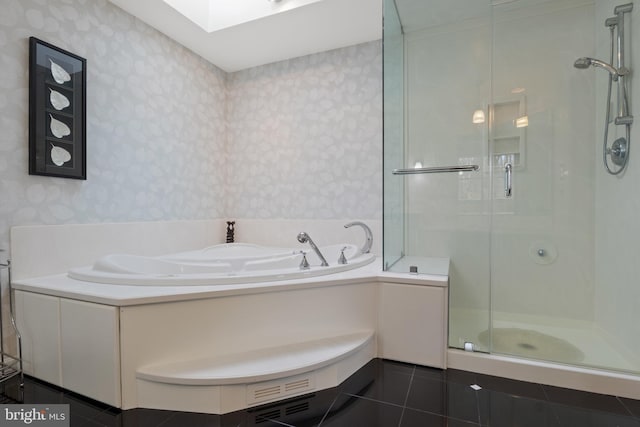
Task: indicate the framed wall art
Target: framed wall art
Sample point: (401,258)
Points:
(57,112)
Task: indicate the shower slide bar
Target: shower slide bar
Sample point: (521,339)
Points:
(436,169)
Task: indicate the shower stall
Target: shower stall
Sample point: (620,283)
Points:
(494,120)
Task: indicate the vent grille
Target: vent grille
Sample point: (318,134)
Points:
(281,412)
(297,385)
(265,393)
(267,416)
(277,389)
(294,409)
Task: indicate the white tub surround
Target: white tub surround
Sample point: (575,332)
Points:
(224,347)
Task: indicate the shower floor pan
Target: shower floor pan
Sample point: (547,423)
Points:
(572,342)
(599,364)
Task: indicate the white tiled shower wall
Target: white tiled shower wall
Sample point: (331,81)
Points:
(489,238)
(172,137)
(617,203)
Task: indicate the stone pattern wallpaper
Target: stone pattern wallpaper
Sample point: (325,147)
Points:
(171,136)
(305,137)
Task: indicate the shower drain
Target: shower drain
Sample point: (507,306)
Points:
(529,343)
(527,346)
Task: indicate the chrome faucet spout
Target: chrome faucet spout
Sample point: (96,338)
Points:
(366,248)
(303,237)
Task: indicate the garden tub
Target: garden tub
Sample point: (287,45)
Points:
(220,265)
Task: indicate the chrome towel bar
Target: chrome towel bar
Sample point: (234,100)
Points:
(436,169)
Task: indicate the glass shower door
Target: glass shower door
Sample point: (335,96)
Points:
(542,248)
(393,46)
(550,298)
(437,90)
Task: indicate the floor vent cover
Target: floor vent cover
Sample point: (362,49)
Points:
(277,389)
(282,412)
(267,416)
(294,409)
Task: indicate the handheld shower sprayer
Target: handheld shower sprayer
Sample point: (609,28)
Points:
(303,237)
(619,150)
(586,62)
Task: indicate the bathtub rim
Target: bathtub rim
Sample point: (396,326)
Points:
(60,285)
(119,275)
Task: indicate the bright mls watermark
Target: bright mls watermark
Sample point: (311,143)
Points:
(35,415)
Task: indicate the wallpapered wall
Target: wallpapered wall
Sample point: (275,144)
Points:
(305,137)
(171,136)
(155,120)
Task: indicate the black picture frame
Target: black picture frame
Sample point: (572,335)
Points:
(57,112)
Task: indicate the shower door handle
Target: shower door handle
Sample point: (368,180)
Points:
(508,169)
(436,169)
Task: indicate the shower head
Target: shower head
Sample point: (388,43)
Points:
(585,62)
(582,63)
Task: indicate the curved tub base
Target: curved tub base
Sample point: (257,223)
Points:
(226,384)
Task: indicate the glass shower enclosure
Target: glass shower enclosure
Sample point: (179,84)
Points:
(493,158)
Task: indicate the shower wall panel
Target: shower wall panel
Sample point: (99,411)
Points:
(393,156)
(543,240)
(617,289)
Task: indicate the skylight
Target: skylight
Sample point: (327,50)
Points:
(214,15)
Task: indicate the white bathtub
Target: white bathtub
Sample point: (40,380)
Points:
(218,265)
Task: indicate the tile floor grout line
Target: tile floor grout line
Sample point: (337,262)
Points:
(476,393)
(406,396)
(374,400)
(544,390)
(166,420)
(324,417)
(279,422)
(448,417)
(552,403)
(625,406)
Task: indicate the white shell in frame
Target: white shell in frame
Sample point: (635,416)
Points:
(59,156)
(58,128)
(59,74)
(58,100)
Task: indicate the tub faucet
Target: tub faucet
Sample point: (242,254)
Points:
(303,237)
(367,245)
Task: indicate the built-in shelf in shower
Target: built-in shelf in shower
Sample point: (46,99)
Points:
(508,140)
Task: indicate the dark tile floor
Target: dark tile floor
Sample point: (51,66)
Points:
(382,393)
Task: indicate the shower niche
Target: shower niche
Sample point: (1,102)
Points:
(508,136)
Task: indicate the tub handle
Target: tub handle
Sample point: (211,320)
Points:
(304,264)
(342,259)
